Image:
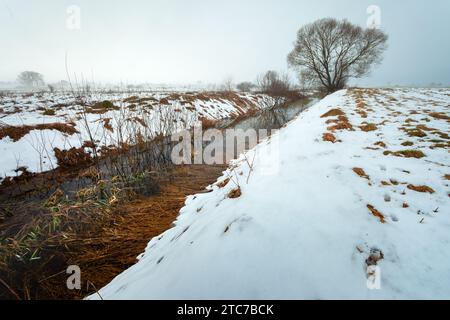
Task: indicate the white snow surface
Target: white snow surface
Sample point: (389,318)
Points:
(301,229)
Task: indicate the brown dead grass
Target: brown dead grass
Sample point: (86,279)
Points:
(439,115)
(447,177)
(329,137)
(18,132)
(415,132)
(208,123)
(407,144)
(380,144)
(422,189)
(341,123)
(362,113)
(223,183)
(333,113)
(72,158)
(368,127)
(106,240)
(360,172)
(235,193)
(406,154)
(376,213)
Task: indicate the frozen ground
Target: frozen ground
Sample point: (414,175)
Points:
(131,115)
(355,189)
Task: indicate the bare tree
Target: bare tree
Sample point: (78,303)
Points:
(31,79)
(328,52)
(228,84)
(245,86)
(273,83)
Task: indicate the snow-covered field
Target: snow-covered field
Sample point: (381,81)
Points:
(358,191)
(129,116)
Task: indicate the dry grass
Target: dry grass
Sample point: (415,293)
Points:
(376,213)
(368,127)
(223,183)
(362,113)
(360,172)
(72,158)
(235,193)
(422,189)
(407,144)
(101,107)
(49,112)
(329,137)
(380,144)
(439,115)
(342,123)
(102,239)
(208,123)
(16,133)
(406,154)
(333,113)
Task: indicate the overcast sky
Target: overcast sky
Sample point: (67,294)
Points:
(184,41)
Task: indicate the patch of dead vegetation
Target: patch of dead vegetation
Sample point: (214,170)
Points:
(362,113)
(414,132)
(441,145)
(376,213)
(406,154)
(329,137)
(208,123)
(333,113)
(407,144)
(360,172)
(367,127)
(422,189)
(235,193)
(15,133)
(107,124)
(439,115)
(223,183)
(441,134)
(342,123)
(49,112)
(101,107)
(380,144)
(74,157)
(424,128)
(409,120)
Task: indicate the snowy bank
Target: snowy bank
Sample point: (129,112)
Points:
(360,180)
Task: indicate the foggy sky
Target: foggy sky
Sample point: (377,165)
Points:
(184,41)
